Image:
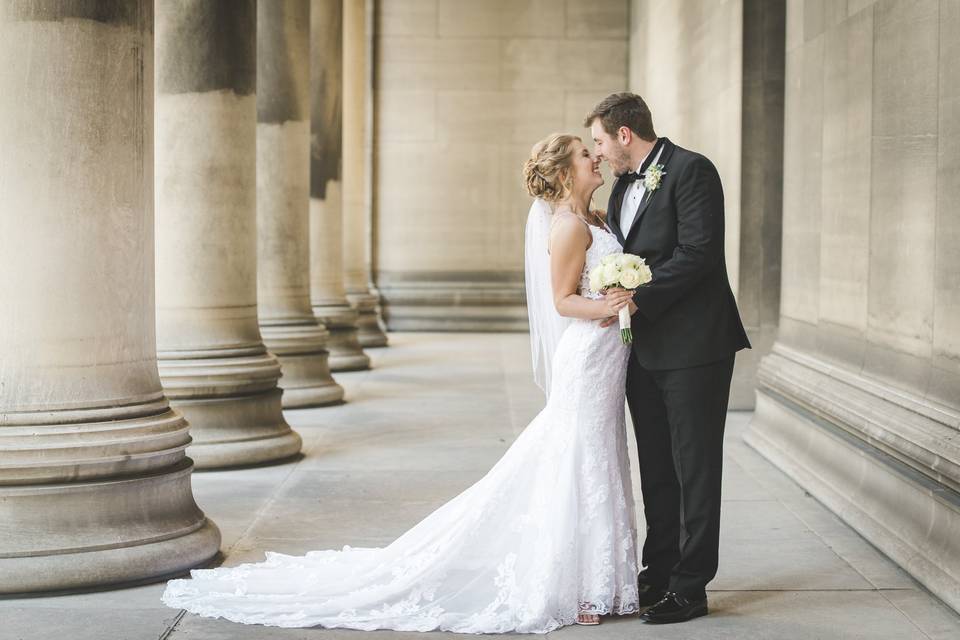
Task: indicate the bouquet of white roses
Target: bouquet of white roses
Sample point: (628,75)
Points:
(621,270)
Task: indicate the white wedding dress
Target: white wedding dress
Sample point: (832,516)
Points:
(549,531)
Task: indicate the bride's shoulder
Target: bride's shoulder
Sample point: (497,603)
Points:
(568,227)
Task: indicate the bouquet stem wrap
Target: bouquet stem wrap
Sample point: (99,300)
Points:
(626,333)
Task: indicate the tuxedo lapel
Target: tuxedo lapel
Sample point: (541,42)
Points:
(613,208)
(665,153)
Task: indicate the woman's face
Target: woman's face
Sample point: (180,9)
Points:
(584,168)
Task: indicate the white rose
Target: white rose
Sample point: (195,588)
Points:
(630,279)
(645,274)
(610,258)
(596,280)
(624,260)
(610,274)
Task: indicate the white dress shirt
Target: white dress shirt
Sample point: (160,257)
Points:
(634,196)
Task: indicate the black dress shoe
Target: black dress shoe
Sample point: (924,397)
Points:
(648,595)
(674,608)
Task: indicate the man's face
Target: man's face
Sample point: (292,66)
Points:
(609,148)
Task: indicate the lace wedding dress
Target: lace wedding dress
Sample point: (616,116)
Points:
(549,531)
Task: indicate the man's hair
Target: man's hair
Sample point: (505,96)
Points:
(623,110)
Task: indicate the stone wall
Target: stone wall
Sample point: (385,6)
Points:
(462,91)
(860,399)
(712,74)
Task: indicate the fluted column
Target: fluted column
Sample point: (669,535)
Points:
(213,364)
(327,292)
(94,483)
(357,141)
(287,324)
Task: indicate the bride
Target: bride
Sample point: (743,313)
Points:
(548,537)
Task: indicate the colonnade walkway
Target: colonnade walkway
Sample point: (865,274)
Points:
(431,418)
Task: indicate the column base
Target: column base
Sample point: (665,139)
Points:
(370,332)
(453,301)
(304,361)
(236,431)
(233,406)
(346,354)
(881,459)
(102,533)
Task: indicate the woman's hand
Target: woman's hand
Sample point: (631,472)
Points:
(631,305)
(616,299)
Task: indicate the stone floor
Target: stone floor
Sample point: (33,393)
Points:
(435,413)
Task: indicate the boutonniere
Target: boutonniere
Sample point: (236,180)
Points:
(652,177)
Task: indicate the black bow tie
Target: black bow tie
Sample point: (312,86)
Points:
(630,178)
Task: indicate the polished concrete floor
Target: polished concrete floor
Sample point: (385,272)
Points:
(435,413)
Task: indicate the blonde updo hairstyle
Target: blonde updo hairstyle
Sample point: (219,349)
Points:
(547,172)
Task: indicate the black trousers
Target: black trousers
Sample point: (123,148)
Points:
(679,416)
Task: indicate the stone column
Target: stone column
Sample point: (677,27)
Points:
(357,141)
(287,324)
(328,295)
(715,85)
(859,400)
(213,363)
(94,483)
(761,190)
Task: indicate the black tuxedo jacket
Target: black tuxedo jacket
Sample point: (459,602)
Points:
(687,315)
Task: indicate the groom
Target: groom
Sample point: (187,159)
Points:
(667,207)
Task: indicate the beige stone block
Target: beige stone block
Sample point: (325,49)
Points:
(856,6)
(709,59)
(598,18)
(907,51)
(794,35)
(814,17)
(477,116)
(514,206)
(946,321)
(405,115)
(690,54)
(407,18)
(847,118)
(902,234)
(903,224)
(560,64)
(576,105)
(834,12)
(638,38)
(501,18)
(662,92)
(441,212)
(430,63)
(673,18)
(801,184)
